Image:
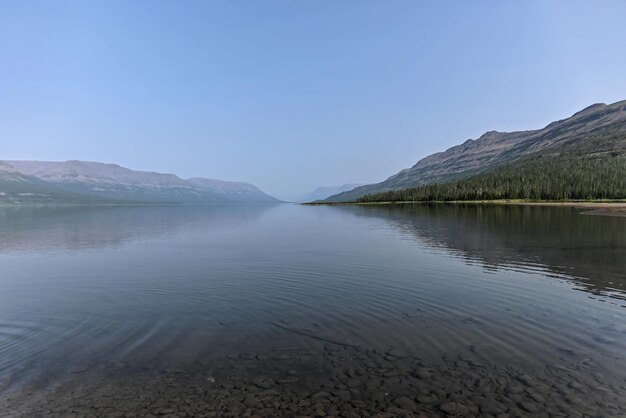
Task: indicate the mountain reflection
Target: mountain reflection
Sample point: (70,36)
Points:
(91,227)
(589,249)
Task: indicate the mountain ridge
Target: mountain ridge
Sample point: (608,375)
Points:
(104,181)
(496,149)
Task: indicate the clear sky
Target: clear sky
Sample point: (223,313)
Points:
(291,95)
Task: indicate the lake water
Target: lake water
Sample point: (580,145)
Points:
(284,310)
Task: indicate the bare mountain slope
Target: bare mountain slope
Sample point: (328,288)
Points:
(493,149)
(112,181)
(17,188)
(233,190)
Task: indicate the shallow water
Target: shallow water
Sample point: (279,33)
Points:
(311,299)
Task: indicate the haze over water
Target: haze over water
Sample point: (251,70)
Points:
(116,293)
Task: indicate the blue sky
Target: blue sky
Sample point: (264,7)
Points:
(290,95)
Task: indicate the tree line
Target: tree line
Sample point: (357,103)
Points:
(564,177)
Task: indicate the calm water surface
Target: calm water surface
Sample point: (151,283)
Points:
(114,292)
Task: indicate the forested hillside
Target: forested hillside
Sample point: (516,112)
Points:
(544,178)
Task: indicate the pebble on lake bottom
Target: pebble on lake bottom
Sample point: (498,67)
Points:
(338,381)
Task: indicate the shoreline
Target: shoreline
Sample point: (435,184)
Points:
(591,207)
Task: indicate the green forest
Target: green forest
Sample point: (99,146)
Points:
(542,178)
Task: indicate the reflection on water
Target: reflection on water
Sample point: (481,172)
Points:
(412,301)
(26,229)
(588,249)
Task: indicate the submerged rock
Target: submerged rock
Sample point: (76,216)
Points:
(454,408)
(335,381)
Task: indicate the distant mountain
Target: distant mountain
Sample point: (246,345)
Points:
(233,191)
(596,132)
(322,193)
(20,189)
(113,183)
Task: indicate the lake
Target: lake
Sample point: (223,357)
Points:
(286,310)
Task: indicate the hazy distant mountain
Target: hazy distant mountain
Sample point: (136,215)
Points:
(116,183)
(15,185)
(322,193)
(235,191)
(598,131)
(22,189)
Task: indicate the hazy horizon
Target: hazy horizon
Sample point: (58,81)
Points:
(293,96)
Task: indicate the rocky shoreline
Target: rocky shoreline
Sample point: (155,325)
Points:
(337,381)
